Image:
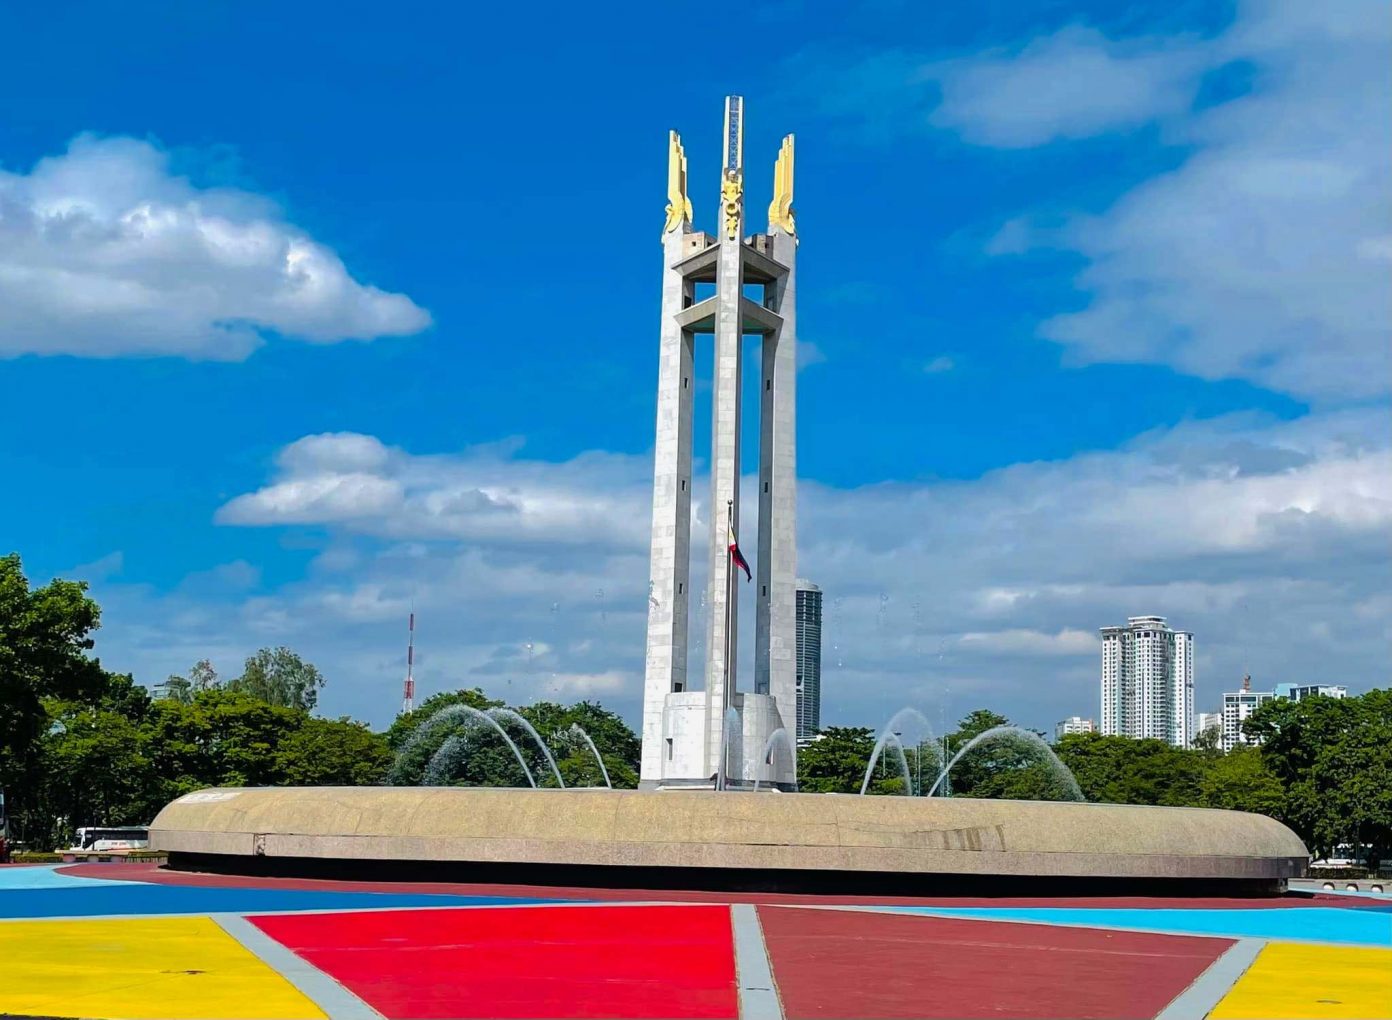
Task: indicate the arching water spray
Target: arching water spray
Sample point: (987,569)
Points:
(778,736)
(450,713)
(578,729)
(511,716)
(1058,768)
(897,724)
(888,739)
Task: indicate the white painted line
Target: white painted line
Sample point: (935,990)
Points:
(758,995)
(1208,989)
(322,990)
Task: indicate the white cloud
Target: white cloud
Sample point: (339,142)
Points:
(1265,255)
(942,363)
(355,481)
(1269,540)
(104,252)
(1072,84)
(1033,642)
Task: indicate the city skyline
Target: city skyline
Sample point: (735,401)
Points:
(1051,380)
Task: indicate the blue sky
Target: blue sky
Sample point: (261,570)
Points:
(311,314)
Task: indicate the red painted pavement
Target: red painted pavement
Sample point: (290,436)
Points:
(563,962)
(842,964)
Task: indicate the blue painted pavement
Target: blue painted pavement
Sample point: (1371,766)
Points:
(47,876)
(94,898)
(1319,924)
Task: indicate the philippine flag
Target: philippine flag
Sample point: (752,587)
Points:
(738,557)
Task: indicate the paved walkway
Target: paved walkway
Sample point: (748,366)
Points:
(131,941)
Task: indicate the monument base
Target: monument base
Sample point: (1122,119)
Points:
(703,838)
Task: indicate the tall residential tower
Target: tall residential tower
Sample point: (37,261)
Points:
(699,737)
(809,660)
(1148,681)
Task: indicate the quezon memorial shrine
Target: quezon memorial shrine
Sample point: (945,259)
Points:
(716,890)
(697,737)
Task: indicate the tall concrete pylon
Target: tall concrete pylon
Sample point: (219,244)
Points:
(685,738)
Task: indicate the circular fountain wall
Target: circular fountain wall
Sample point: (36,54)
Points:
(764,840)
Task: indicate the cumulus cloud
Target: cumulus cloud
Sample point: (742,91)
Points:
(105,252)
(1264,254)
(1270,540)
(355,481)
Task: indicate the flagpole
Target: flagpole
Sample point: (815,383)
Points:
(720,775)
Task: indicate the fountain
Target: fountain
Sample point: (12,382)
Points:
(514,717)
(452,713)
(576,728)
(449,756)
(892,733)
(780,735)
(887,739)
(1056,767)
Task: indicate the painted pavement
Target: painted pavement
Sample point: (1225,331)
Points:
(131,941)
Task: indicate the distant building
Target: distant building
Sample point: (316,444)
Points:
(809,660)
(1148,681)
(1238,705)
(1209,721)
(1299,692)
(1074,724)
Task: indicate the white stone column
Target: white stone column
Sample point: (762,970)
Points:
(724,489)
(776,619)
(670,573)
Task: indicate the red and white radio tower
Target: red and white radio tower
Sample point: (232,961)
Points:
(408,686)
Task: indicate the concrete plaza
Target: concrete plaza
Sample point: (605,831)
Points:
(137,941)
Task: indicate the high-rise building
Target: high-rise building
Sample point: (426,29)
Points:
(1238,705)
(1148,681)
(809,660)
(1208,721)
(1074,724)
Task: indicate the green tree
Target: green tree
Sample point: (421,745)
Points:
(1209,740)
(333,752)
(221,738)
(615,740)
(1241,781)
(280,677)
(45,637)
(1008,767)
(201,677)
(404,726)
(95,773)
(1332,757)
(1119,770)
(836,762)
(480,756)
(974,724)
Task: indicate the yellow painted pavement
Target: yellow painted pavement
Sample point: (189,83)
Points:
(1303,982)
(173,968)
